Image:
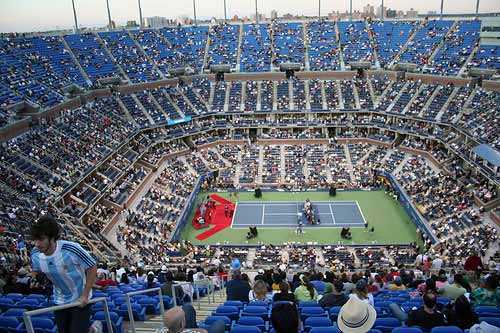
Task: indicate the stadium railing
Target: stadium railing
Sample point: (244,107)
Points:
(28,314)
(139,292)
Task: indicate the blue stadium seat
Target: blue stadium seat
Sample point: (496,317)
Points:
(446,329)
(230,311)
(332,329)
(386,324)
(312,312)
(407,330)
(116,320)
(495,321)
(256,311)
(245,329)
(253,321)
(212,319)
(312,322)
(238,304)
(7,323)
(138,312)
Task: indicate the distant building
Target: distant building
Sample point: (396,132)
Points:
(262,17)
(381,10)
(412,13)
(369,10)
(432,12)
(274,14)
(132,24)
(391,13)
(156,21)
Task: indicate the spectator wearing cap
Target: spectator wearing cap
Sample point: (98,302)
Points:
(260,275)
(237,289)
(361,292)
(333,295)
(356,316)
(306,291)
(397,285)
(284,294)
(162,275)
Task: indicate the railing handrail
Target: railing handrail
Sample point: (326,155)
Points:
(28,314)
(138,292)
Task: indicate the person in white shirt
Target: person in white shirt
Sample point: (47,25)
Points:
(437,263)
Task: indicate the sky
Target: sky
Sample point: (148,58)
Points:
(43,15)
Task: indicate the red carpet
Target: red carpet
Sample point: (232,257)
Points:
(218,219)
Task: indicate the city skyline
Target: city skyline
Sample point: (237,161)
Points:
(28,15)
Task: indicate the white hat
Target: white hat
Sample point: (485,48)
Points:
(260,271)
(163,268)
(356,316)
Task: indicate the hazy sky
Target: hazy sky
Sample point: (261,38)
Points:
(35,15)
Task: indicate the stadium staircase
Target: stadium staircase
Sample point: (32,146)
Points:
(372,44)
(110,55)
(339,47)
(442,42)
(405,46)
(306,47)
(145,55)
(72,55)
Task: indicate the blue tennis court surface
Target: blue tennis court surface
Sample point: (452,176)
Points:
(287,214)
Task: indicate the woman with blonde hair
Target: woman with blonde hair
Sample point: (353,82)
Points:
(259,291)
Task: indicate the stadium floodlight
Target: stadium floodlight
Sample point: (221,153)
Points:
(194,12)
(110,27)
(74,15)
(442,4)
(477,7)
(225,11)
(319,10)
(256,13)
(140,13)
(350,10)
(382,11)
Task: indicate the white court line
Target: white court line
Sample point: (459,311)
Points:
(333,217)
(288,203)
(263,214)
(364,220)
(270,226)
(290,214)
(234,215)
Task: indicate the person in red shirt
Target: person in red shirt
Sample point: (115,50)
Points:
(102,282)
(473,263)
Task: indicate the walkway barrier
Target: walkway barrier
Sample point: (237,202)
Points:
(205,283)
(174,296)
(28,314)
(129,305)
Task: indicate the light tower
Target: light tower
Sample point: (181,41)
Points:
(350,10)
(109,16)
(140,13)
(74,16)
(194,12)
(225,11)
(319,10)
(256,13)
(442,5)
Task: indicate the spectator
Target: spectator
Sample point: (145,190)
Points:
(426,316)
(356,316)
(306,291)
(361,292)
(284,294)
(333,295)
(178,319)
(162,274)
(397,285)
(237,289)
(461,313)
(259,291)
(285,318)
(454,290)
(166,287)
(487,294)
(70,268)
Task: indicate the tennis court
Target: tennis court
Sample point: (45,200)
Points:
(287,214)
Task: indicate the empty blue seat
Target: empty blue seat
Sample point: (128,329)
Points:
(212,319)
(116,321)
(407,330)
(487,311)
(495,321)
(256,311)
(238,304)
(307,304)
(446,329)
(244,329)
(325,330)
(253,321)
(7,323)
(312,312)
(386,324)
(312,322)
(138,312)
(152,306)
(230,311)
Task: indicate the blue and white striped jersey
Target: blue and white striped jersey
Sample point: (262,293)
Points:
(65,268)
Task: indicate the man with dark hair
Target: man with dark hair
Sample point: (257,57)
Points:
(71,269)
(426,316)
(285,318)
(237,289)
(333,296)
